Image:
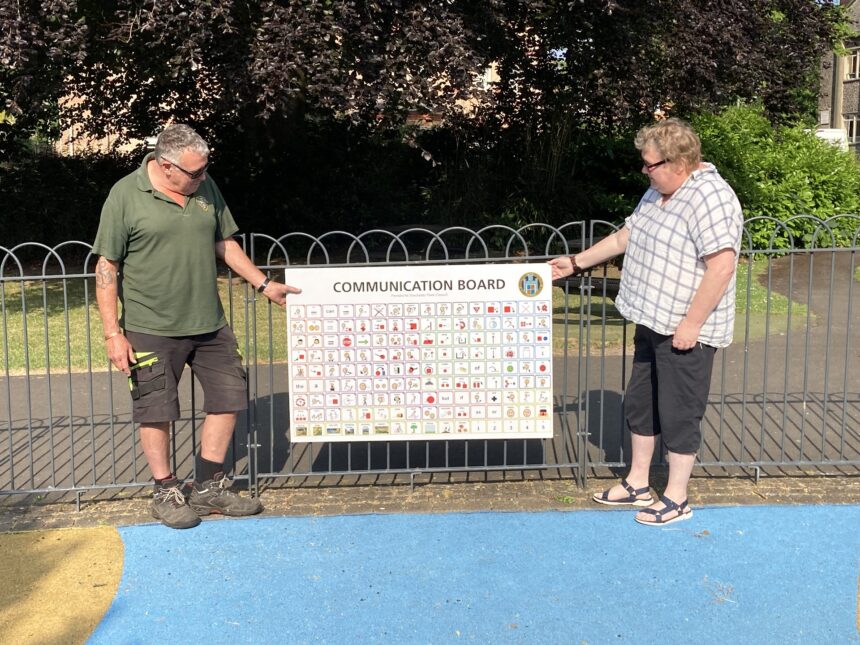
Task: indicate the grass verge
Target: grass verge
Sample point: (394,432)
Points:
(766,313)
(56,322)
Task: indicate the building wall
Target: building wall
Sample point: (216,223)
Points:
(839,93)
(851,96)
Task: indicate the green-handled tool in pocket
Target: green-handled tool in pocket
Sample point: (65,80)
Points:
(147,375)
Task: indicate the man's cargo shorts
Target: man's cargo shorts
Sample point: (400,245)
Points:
(214,359)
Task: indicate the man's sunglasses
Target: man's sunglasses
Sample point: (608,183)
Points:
(197,174)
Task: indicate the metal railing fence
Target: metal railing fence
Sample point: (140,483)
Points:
(784,397)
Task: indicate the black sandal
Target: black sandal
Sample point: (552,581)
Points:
(632,498)
(684,513)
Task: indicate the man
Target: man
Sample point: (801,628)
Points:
(162,228)
(682,244)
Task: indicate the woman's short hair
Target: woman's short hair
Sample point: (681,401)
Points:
(674,140)
(178,138)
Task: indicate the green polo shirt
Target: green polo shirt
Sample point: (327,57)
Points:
(168,275)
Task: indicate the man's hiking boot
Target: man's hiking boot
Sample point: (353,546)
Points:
(215,496)
(168,505)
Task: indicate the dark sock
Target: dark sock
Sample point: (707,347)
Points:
(170,477)
(207,470)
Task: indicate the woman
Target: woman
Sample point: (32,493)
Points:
(681,247)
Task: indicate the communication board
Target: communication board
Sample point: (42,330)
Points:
(420,352)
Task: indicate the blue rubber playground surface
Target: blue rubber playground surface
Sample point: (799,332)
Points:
(764,574)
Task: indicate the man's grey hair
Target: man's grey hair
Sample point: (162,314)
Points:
(178,138)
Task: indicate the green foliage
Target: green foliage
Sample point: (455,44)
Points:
(780,173)
(573,173)
(326,179)
(304,103)
(40,43)
(329,177)
(51,199)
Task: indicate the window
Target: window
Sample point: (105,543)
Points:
(852,64)
(851,123)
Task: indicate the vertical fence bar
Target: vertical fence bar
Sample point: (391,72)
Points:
(806,352)
(27,389)
(8,379)
(768,307)
(788,339)
(847,358)
(827,341)
(69,382)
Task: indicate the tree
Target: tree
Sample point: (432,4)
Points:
(575,76)
(762,50)
(267,65)
(219,64)
(315,92)
(39,44)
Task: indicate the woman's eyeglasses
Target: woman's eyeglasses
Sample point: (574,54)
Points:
(651,166)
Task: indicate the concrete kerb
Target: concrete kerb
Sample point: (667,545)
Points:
(559,495)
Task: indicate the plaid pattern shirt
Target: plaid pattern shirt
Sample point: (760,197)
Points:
(663,265)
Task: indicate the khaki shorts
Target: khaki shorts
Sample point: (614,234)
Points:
(213,358)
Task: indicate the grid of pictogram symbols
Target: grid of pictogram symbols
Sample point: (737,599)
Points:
(421,369)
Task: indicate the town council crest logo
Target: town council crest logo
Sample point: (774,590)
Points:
(530,284)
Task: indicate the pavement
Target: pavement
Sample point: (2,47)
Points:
(533,495)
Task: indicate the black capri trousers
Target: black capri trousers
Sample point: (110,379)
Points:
(668,390)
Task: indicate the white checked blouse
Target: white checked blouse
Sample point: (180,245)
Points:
(663,263)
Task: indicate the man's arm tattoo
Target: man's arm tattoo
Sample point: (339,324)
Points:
(104,275)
